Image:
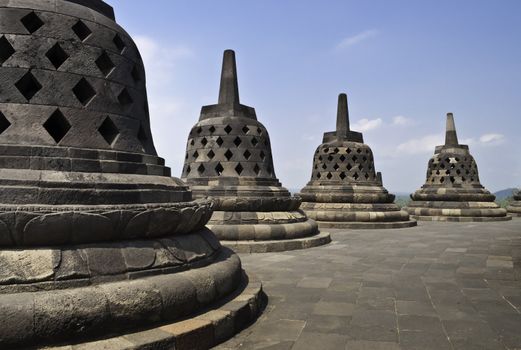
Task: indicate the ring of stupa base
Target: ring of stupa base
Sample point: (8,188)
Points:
(457,211)
(343,196)
(477,194)
(104,306)
(268,230)
(43,225)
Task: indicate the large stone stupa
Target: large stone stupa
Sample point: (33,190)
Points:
(229,159)
(96,239)
(345,190)
(452,191)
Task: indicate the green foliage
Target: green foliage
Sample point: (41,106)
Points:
(402,201)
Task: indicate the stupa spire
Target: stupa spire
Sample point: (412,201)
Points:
(229,89)
(342,117)
(451,137)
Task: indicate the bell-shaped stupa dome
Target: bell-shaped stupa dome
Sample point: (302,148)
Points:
(229,159)
(452,191)
(345,190)
(96,238)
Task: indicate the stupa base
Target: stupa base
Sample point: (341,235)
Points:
(367,225)
(461,218)
(210,327)
(514,208)
(273,246)
(457,211)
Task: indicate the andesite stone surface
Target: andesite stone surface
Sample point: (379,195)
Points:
(453,191)
(514,207)
(229,159)
(345,190)
(96,238)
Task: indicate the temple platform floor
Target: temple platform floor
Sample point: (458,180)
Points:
(437,286)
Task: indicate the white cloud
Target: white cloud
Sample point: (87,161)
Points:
(492,139)
(367,124)
(355,39)
(421,145)
(401,120)
(159,60)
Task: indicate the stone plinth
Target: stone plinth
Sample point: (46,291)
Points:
(514,207)
(345,190)
(96,238)
(229,159)
(453,191)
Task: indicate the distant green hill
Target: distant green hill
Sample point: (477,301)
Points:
(504,194)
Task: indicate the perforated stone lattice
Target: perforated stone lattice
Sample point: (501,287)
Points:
(92,67)
(455,169)
(228,150)
(353,163)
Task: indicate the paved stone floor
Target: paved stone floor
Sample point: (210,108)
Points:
(438,286)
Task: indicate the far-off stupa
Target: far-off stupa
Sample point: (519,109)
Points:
(514,206)
(99,246)
(453,191)
(345,191)
(229,159)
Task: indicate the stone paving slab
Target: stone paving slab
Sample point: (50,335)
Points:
(437,286)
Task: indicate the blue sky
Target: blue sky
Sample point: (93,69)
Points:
(404,65)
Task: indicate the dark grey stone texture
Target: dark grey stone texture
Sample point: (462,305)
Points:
(454,286)
(96,238)
(452,191)
(345,190)
(229,159)
(514,207)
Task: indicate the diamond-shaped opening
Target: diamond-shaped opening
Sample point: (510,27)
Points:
(254,142)
(119,43)
(105,64)
(192,142)
(343,175)
(108,130)
(84,92)
(6,49)
(28,86)
(124,97)
(336,166)
(57,126)
(324,166)
(201,169)
(136,73)
(142,135)
(245,129)
(204,141)
(360,167)
(228,129)
(442,180)
(349,166)
(355,158)
(342,158)
(257,169)
(188,169)
(81,30)
(330,158)
(237,141)
(228,154)
(336,150)
(32,22)
(199,130)
(356,176)
(349,150)
(247,154)
(57,55)
(196,155)
(320,158)
(187,156)
(262,155)
(4,123)
(359,151)
(219,141)
(259,131)
(212,129)
(329,176)
(452,179)
(319,175)
(211,154)
(239,169)
(219,169)
(326,150)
